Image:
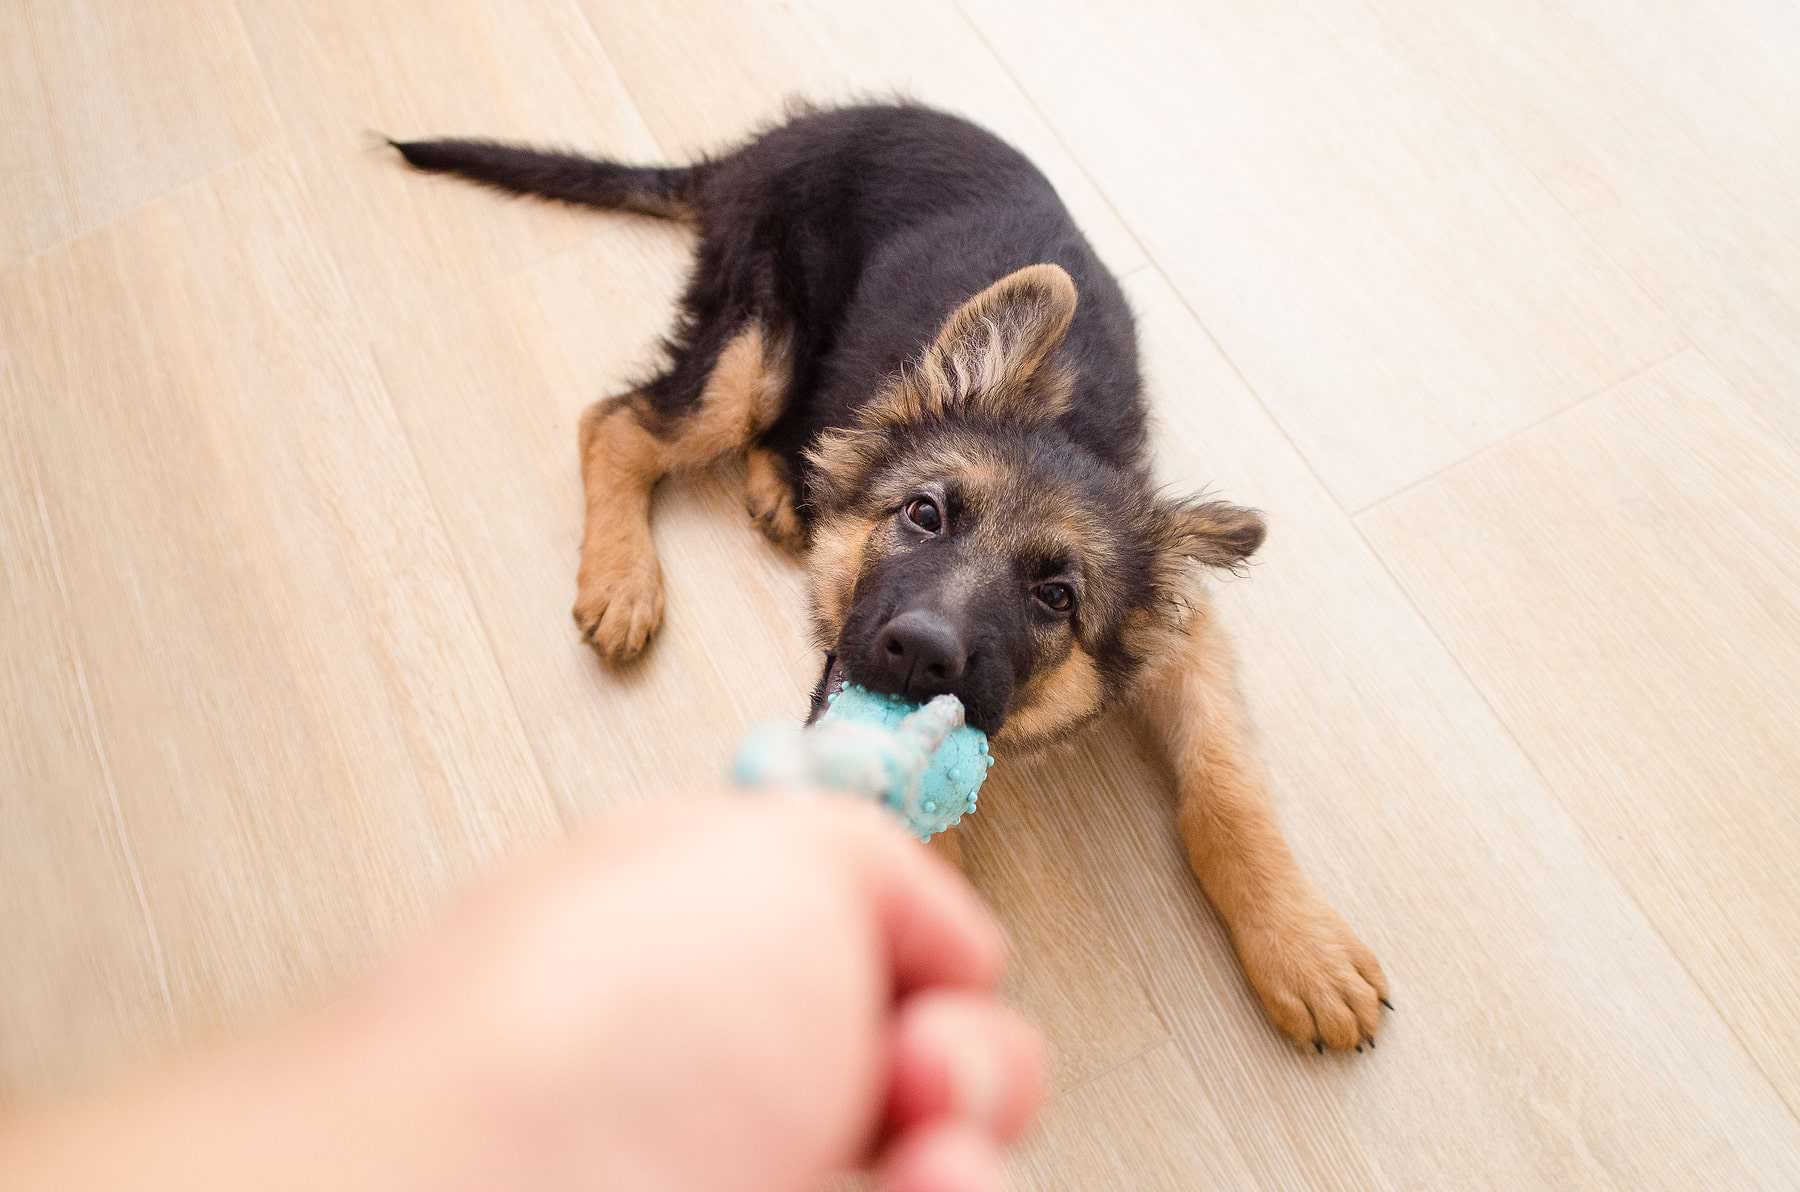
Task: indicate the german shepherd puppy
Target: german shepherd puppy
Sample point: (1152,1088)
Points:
(934,384)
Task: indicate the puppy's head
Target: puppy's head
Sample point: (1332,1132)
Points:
(966,544)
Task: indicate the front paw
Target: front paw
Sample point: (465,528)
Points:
(769,500)
(1319,984)
(617,609)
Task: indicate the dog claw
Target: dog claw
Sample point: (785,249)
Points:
(1385,1002)
(1319,1046)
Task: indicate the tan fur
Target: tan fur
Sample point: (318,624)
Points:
(769,499)
(1216,533)
(679,210)
(833,564)
(1158,631)
(1056,388)
(992,358)
(1061,699)
(619,591)
(1010,517)
(993,346)
(743,397)
(840,455)
(1317,981)
(981,473)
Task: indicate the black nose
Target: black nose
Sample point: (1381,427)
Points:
(919,654)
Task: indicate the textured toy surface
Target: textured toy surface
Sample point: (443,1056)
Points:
(922,762)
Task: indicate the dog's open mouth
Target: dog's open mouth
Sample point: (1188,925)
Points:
(829,677)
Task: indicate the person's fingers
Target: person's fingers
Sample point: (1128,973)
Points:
(937,931)
(949,1158)
(966,1058)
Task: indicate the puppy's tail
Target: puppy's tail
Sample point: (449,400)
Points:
(671,192)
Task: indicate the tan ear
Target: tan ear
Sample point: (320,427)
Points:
(996,344)
(1216,533)
(992,358)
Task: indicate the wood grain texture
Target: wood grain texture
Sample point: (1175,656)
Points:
(1100,1137)
(84,983)
(284,668)
(1672,135)
(1525,974)
(1585,561)
(35,208)
(490,392)
(342,71)
(1072,969)
(704,71)
(1394,285)
(289,512)
(138,98)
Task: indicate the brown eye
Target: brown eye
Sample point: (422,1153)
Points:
(1058,598)
(923,513)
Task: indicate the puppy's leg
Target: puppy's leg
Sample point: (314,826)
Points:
(724,390)
(769,498)
(1319,984)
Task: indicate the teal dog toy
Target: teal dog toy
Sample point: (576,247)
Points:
(921,762)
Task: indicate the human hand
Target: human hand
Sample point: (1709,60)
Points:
(744,997)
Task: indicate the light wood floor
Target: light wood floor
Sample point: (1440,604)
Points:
(1494,305)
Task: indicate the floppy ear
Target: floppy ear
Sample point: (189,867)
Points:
(1216,533)
(994,345)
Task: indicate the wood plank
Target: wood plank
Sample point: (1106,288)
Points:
(82,978)
(1395,287)
(310,612)
(309,736)
(1527,980)
(490,393)
(1629,610)
(1149,1124)
(517,362)
(704,73)
(1672,133)
(341,68)
(1071,967)
(36,210)
(139,98)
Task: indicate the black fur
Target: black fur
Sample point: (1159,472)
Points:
(879,222)
(854,231)
(850,235)
(565,177)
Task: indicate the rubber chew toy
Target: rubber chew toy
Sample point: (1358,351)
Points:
(921,762)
